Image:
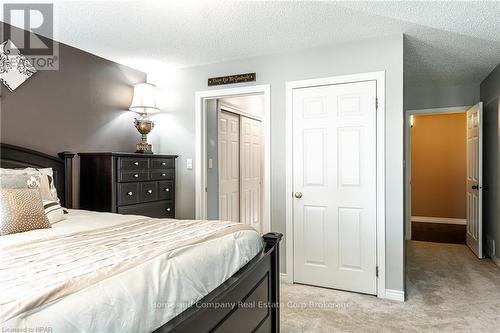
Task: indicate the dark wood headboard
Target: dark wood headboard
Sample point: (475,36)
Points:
(18,157)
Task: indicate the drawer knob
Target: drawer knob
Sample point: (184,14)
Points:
(136,163)
(167,190)
(163,163)
(130,193)
(136,175)
(150,191)
(163,174)
(168,209)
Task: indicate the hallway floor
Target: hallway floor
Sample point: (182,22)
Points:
(448,290)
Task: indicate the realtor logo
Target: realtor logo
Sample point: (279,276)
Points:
(30,27)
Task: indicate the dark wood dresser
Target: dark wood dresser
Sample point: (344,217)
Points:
(128,183)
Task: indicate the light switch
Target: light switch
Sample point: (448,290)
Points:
(210,163)
(189,163)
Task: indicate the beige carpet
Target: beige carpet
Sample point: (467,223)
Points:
(448,290)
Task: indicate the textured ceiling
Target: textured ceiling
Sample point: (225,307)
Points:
(446,42)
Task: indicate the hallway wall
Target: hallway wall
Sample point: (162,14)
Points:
(490,92)
(440,96)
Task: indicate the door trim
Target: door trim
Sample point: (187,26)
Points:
(379,77)
(201,152)
(407,157)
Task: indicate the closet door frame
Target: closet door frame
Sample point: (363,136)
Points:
(201,154)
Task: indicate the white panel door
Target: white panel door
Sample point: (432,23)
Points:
(474,179)
(334,183)
(251,171)
(229,167)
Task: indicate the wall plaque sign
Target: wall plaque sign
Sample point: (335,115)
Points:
(230,79)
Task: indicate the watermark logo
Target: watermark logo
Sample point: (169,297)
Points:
(30,27)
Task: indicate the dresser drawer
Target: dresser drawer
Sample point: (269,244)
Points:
(131,163)
(151,209)
(132,176)
(149,191)
(166,190)
(162,163)
(162,174)
(128,193)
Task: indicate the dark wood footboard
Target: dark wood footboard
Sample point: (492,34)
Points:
(247,302)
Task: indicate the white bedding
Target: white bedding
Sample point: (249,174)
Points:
(140,299)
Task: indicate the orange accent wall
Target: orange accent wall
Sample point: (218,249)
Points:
(438,165)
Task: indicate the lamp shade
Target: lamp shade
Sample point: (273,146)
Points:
(144,100)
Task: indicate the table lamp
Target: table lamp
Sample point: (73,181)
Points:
(144,103)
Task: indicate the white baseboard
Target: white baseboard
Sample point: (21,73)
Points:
(395,295)
(444,220)
(285,278)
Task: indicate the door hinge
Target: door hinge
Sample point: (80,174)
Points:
(206,189)
(376,271)
(376,103)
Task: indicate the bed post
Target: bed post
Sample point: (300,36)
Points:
(272,240)
(67,157)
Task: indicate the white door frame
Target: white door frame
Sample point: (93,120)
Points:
(201,147)
(407,149)
(379,77)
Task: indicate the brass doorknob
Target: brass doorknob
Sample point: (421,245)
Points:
(298,195)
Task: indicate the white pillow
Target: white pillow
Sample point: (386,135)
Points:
(54,211)
(49,173)
(47,186)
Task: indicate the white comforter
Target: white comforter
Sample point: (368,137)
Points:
(140,299)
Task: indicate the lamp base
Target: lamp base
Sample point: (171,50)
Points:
(144,148)
(144,126)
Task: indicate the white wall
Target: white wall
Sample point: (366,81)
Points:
(252,105)
(176,125)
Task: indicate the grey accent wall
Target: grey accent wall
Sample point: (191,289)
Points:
(213,153)
(490,96)
(80,107)
(176,132)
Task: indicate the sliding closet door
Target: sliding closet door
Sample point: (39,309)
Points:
(229,166)
(251,171)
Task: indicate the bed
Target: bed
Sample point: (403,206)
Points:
(225,279)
